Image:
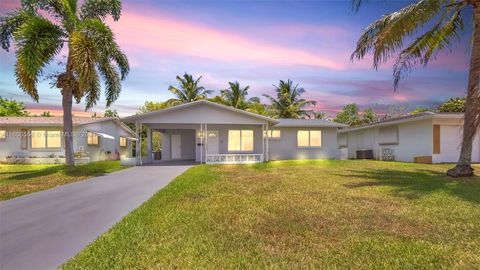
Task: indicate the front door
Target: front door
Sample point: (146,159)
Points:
(212,142)
(176,146)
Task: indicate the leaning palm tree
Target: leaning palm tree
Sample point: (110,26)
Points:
(440,23)
(235,95)
(92,52)
(188,90)
(288,103)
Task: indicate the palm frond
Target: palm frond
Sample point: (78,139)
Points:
(84,59)
(37,40)
(385,36)
(93,92)
(441,36)
(10,23)
(63,10)
(112,81)
(101,9)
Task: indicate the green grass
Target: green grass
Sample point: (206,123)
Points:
(21,179)
(297,215)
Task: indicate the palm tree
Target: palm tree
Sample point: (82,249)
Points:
(188,90)
(92,52)
(444,19)
(288,103)
(317,115)
(235,95)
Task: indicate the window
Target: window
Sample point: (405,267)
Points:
(3,134)
(309,138)
(92,138)
(123,142)
(274,134)
(43,139)
(240,140)
(388,135)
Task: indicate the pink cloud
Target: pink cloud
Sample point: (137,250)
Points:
(165,35)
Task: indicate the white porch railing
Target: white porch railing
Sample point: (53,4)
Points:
(233,158)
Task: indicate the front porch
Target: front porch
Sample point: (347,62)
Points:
(203,143)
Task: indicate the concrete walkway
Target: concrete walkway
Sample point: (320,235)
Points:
(44,229)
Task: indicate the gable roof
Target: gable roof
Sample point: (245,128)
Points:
(406,118)
(58,121)
(287,122)
(133,118)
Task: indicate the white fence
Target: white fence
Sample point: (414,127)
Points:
(233,158)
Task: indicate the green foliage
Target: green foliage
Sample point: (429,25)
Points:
(288,102)
(46,114)
(110,113)
(350,115)
(93,51)
(236,95)
(150,106)
(318,115)
(188,90)
(422,110)
(453,105)
(12,108)
(385,38)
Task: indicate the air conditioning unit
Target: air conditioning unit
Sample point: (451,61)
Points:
(387,154)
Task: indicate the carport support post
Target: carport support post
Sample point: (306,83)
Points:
(149,145)
(266,157)
(138,143)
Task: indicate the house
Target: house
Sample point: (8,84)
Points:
(40,140)
(209,132)
(425,137)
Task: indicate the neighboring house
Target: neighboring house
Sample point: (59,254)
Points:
(39,139)
(208,132)
(424,137)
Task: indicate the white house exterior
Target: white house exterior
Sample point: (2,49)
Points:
(426,137)
(208,132)
(39,139)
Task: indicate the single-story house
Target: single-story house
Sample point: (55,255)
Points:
(209,132)
(425,137)
(40,140)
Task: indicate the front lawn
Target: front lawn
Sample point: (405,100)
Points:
(21,179)
(293,215)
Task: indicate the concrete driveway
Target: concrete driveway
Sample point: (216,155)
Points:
(44,229)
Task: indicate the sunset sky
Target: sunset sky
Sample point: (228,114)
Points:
(257,43)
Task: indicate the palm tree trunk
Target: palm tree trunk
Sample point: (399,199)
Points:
(470,125)
(68,126)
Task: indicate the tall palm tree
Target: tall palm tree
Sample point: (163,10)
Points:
(440,23)
(92,51)
(235,95)
(288,103)
(188,90)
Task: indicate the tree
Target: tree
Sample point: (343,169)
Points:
(255,106)
(92,52)
(369,116)
(317,115)
(188,90)
(236,95)
(453,105)
(46,114)
(111,113)
(441,23)
(289,103)
(394,111)
(12,108)
(150,106)
(422,110)
(349,115)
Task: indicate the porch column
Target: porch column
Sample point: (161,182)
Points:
(264,134)
(267,149)
(138,143)
(149,145)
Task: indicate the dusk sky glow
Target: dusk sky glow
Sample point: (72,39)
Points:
(256,43)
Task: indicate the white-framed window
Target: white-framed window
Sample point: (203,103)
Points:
(123,142)
(240,140)
(46,139)
(92,138)
(309,138)
(3,135)
(274,134)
